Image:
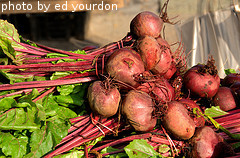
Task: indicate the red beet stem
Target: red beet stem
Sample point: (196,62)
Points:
(86,57)
(21,91)
(123,140)
(49,83)
(31,51)
(82,138)
(113,152)
(78,119)
(159,140)
(60,51)
(46,65)
(44,94)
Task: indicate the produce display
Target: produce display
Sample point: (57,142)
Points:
(131,98)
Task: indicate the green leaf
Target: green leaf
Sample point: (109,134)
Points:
(7,49)
(214,111)
(55,55)
(7,103)
(65,113)
(111,149)
(57,75)
(13,146)
(163,148)
(72,154)
(8,31)
(74,99)
(140,148)
(229,71)
(41,142)
(19,119)
(27,42)
(50,105)
(58,128)
(79,52)
(14,78)
(65,89)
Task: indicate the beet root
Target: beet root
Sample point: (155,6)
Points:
(164,62)
(230,79)
(200,83)
(149,51)
(225,99)
(138,108)
(207,144)
(189,105)
(146,24)
(102,100)
(124,64)
(178,122)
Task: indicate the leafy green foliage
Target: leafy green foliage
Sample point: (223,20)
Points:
(8,31)
(79,52)
(13,146)
(45,121)
(214,111)
(140,148)
(111,149)
(229,71)
(7,49)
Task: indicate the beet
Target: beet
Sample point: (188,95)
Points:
(138,108)
(162,42)
(149,51)
(159,89)
(146,24)
(123,65)
(163,91)
(178,122)
(230,79)
(171,71)
(225,99)
(202,81)
(189,105)
(103,100)
(207,144)
(235,86)
(165,61)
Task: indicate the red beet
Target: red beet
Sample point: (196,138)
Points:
(225,99)
(165,61)
(159,89)
(138,108)
(235,86)
(230,79)
(103,100)
(201,82)
(149,51)
(171,71)
(190,104)
(146,24)
(162,42)
(178,122)
(123,65)
(163,91)
(208,144)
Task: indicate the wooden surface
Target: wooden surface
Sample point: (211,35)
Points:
(47,6)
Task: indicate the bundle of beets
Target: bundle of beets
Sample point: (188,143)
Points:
(139,85)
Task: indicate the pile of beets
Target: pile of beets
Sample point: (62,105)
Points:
(149,86)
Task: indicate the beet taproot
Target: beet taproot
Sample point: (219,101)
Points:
(138,108)
(103,100)
(124,64)
(225,98)
(146,24)
(178,122)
